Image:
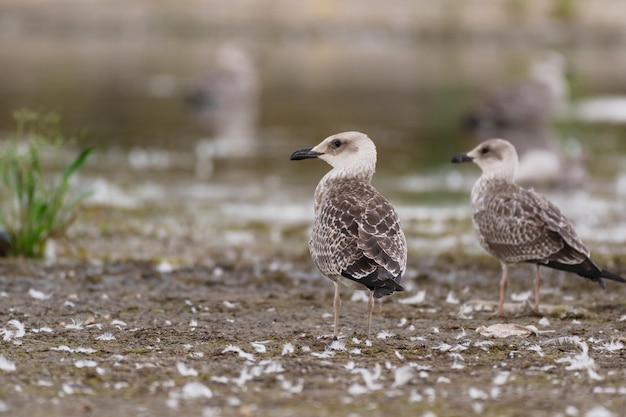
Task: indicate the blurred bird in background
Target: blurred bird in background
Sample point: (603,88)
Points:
(523,113)
(225,101)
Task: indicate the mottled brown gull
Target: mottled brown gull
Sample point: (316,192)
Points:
(356,238)
(518,225)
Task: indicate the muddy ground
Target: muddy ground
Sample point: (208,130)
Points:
(229,337)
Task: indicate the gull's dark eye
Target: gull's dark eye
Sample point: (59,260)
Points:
(484,150)
(336,144)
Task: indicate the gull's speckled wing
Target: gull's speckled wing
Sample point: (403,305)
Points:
(357,235)
(518,225)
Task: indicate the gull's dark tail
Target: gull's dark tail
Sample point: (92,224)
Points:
(586,269)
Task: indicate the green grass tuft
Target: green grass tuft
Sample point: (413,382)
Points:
(37,207)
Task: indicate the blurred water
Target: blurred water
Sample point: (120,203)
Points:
(409,95)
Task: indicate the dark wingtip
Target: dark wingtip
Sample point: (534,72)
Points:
(461,157)
(305,153)
(612,276)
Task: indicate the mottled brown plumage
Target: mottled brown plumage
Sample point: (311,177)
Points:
(356,238)
(518,225)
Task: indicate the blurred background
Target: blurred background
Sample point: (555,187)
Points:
(200,102)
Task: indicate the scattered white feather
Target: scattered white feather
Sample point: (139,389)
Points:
(64,348)
(612,346)
(581,361)
(440,379)
(484,344)
(521,296)
(385,334)
(239,351)
(323,355)
(370,377)
(18,330)
(259,347)
(38,295)
(357,389)
(228,304)
(465,311)
(402,375)
(451,298)
(214,411)
(415,397)
(44,329)
(288,348)
(571,411)
(184,370)
(461,335)
(74,325)
(622,318)
(536,348)
(164,267)
(106,336)
(359,296)
(338,345)
(220,379)
(273,367)
(403,322)
(501,378)
(6,365)
(193,323)
(289,386)
(416,299)
(599,411)
(457,359)
(118,323)
(610,390)
(544,322)
(398,355)
(477,394)
(443,347)
(85,363)
(194,390)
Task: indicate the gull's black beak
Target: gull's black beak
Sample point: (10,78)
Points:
(306,153)
(461,157)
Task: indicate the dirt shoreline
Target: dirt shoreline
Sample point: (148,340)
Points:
(121,338)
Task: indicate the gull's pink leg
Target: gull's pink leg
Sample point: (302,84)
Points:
(538,279)
(503,282)
(370,309)
(336,307)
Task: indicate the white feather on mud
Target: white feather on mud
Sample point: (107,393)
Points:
(240,352)
(38,295)
(6,365)
(415,299)
(18,330)
(185,370)
(580,360)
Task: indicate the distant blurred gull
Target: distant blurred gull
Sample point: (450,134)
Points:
(356,238)
(518,225)
(528,104)
(226,103)
(523,113)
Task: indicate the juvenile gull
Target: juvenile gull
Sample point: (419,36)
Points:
(356,239)
(518,225)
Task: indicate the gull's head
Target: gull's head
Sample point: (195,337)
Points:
(351,154)
(497,158)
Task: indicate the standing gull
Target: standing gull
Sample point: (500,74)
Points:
(356,238)
(518,225)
